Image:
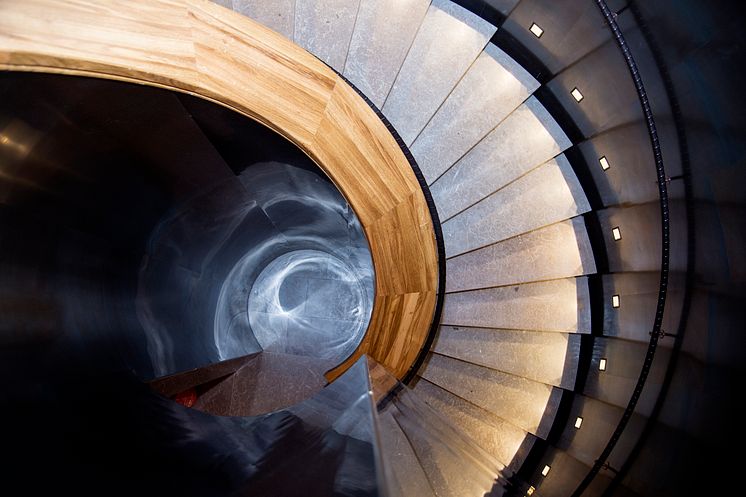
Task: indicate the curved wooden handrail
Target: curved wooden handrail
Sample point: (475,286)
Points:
(200,48)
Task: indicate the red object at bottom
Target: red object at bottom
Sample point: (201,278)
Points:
(186,398)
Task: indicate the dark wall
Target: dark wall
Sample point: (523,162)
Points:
(700,47)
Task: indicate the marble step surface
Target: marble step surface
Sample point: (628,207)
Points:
(454,464)
(405,475)
(546,195)
(556,251)
(556,305)
(266,383)
(526,139)
(324,28)
(506,442)
(447,43)
(550,358)
(525,403)
(384,31)
(278,15)
(489,91)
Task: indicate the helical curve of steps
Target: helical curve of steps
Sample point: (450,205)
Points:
(517,299)
(510,204)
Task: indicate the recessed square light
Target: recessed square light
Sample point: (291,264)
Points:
(615,301)
(602,365)
(616,233)
(578,422)
(576,94)
(545,471)
(604,163)
(530,490)
(536,30)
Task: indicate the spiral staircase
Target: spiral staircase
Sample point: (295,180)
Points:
(510,204)
(512,397)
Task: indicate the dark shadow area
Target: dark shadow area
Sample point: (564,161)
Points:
(76,426)
(140,218)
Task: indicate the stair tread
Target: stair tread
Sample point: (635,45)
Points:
(172,384)
(377,49)
(556,251)
(544,196)
(489,91)
(555,305)
(448,41)
(278,15)
(271,383)
(549,358)
(324,28)
(218,399)
(406,476)
(528,404)
(454,464)
(505,441)
(524,140)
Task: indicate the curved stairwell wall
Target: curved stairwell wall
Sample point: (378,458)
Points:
(527,211)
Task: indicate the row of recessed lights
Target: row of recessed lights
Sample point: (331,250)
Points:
(537,31)
(575,92)
(616,232)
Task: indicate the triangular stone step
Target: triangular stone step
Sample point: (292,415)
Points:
(489,91)
(503,440)
(448,41)
(404,472)
(525,403)
(546,195)
(384,31)
(324,28)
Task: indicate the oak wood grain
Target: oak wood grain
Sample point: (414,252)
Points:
(200,48)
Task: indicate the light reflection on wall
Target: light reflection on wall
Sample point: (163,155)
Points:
(279,258)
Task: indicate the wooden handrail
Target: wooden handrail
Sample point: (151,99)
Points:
(199,48)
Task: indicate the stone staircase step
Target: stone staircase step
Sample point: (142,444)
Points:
(449,40)
(525,403)
(550,358)
(555,305)
(383,33)
(405,474)
(524,140)
(505,442)
(454,464)
(557,251)
(548,194)
(489,91)
(278,15)
(324,28)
